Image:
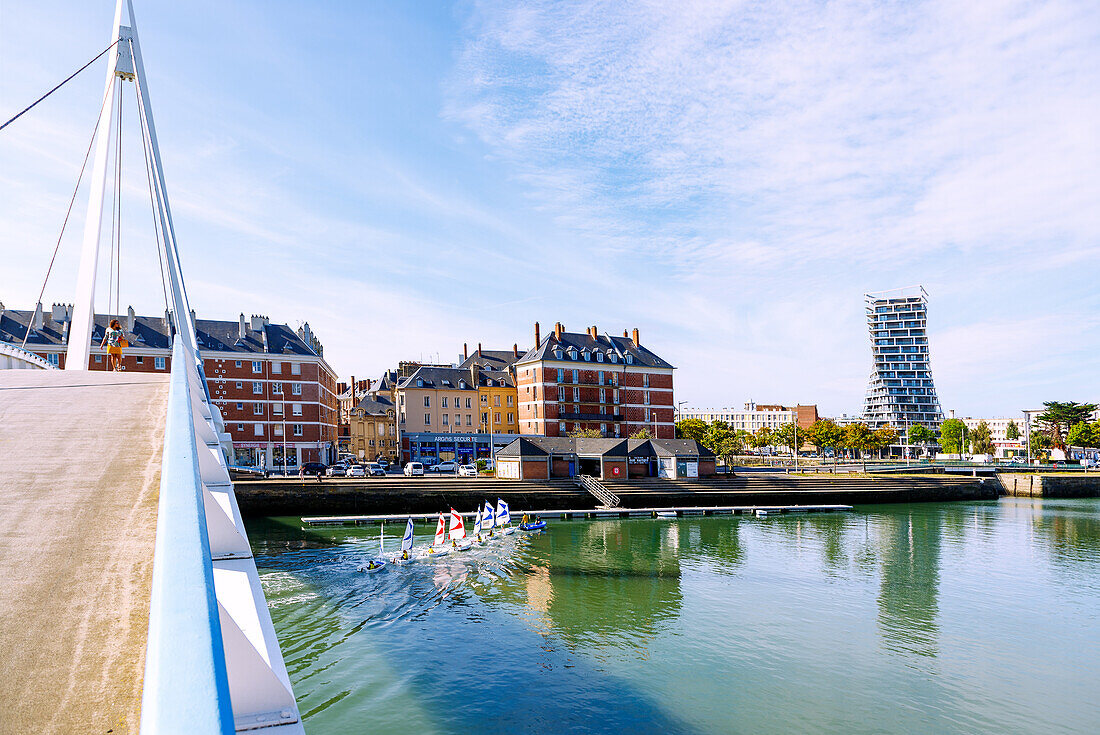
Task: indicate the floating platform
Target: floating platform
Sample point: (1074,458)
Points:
(590,513)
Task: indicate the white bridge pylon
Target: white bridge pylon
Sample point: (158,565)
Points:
(179,690)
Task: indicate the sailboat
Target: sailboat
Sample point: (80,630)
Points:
(379,563)
(503,519)
(488,521)
(459,541)
(405,555)
(478,522)
(439,545)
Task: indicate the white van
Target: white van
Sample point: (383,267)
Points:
(413,469)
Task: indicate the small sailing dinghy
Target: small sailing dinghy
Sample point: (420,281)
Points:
(405,555)
(503,519)
(488,520)
(379,563)
(459,541)
(477,537)
(439,545)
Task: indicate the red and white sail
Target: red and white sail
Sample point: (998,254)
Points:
(458,530)
(440,532)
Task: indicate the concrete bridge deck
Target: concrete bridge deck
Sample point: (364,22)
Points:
(78,502)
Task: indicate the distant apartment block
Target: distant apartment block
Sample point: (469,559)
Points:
(271,383)
(572,381)
(900,391)
(754,417)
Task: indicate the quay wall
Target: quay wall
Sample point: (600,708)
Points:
(274,497)
(1052,486)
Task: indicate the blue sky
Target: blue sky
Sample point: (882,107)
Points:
(729,177)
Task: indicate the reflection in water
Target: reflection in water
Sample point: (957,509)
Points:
(892,618)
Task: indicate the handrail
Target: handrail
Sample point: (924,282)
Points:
(18,353)
(597,490)
(186,686)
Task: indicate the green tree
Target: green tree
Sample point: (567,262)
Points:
(859,439)
(1040,443)
(922,436)
(1012,431)
(585,434)
(883,438)
(982,438)
(1060,416)
(642,433)
(717,433)
(762,438)
(1084,434)
(953,436)
(691,429)
(787,435)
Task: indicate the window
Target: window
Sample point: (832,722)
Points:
(469,419)
(557,354)
(576,394)
(240,385)
(561,427)
(444,401)
(295,368)
(296,409)
(53,358)
(276,387)
(258,409)
(297,429)
(511,418)
(462,384)
(599,357)
(603,396)
(277,409)
(511,399)
(629,359)
(296,388)
(419,383)
(140,360)
(561,393)
(599,378)
(257,388)
(603,429)
(427,419)
(458,419)
(561,375)
(496,401)
(484,417)
(458,401)
(276,367)
(576,376)
(237,363)
(99,358)
(646,396)
(240,427)
(446,419)
(587,356)
(159,363)
(484,399)
(427,401)
(615,358)
(468,403)
(240,406)
(257,366)
(496,417)
(258,429)
(277,429)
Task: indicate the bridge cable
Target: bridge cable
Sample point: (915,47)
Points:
(59,86)
(114,203)
(146,147)
(69,211)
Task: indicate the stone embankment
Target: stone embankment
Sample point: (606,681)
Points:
(1052,486)
(430,495)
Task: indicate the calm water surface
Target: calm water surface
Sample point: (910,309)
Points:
(928,618)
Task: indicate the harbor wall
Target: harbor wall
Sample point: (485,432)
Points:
(1052,486)
(277,497)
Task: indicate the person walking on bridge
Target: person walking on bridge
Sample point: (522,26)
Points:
(112,339)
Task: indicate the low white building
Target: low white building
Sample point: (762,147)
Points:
(749,419)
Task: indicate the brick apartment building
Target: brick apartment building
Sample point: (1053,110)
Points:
(271,383)
(581,381)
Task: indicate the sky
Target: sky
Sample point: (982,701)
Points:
(728,177)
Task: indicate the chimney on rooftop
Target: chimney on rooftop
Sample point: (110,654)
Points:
(626,334)
(557,331)
(242,327)
(537,336)
(479,350)
(473,375)
(258,322)
(592,331)
(37,321)
(515,349)
(465,351)
(57,312)
(130,318)
(637,341)
(193,325)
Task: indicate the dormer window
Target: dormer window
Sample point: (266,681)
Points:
(599,357)
(572,354)
(587,356)
(462,384)
(557,354)
(629,359)
(419,383)
(614,357)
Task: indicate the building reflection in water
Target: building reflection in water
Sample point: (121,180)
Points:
(909,562)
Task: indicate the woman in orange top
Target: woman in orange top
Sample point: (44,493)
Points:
(112,339)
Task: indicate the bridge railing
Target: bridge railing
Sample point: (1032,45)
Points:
(186,687)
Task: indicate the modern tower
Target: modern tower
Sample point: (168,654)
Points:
(900,392)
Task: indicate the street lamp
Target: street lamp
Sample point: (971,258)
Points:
(678,404)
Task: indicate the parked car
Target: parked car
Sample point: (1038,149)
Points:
(444,468)
(375,470)
(357,470)
(384,464)
(337,470)
(467,470)
(412,469)
(312,469)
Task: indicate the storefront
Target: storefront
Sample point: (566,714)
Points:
(431,448)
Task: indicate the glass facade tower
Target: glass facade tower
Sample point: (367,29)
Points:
(900,392)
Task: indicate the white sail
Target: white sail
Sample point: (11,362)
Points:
(381,536)
(503,519)
(440,532)
(477,523)
(489,516)
(407,539)
(458,530)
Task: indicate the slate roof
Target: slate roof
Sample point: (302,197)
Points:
(492,359)
(439,378)
(605,343)
(154,333)
(539,446)
(374,406)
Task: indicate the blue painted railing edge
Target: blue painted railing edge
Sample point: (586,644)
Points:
(186,688)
